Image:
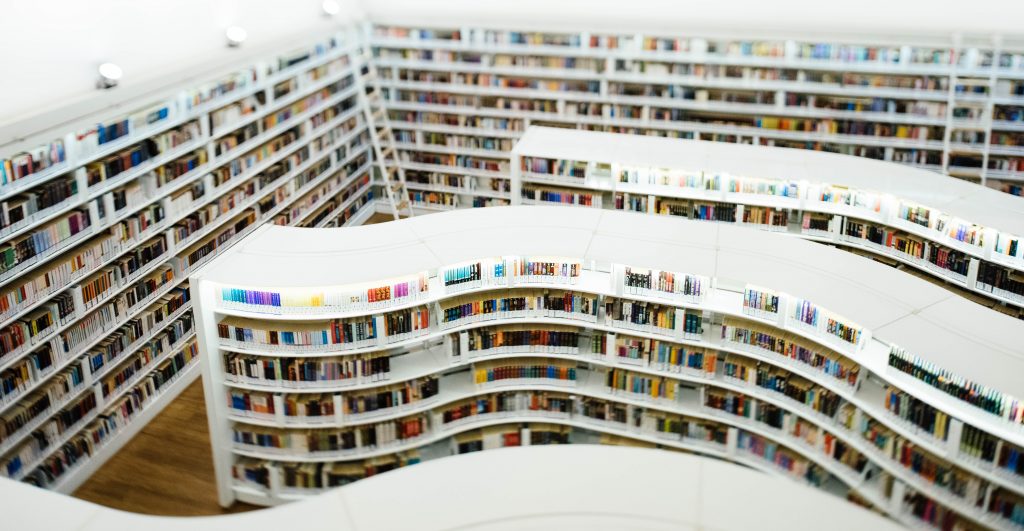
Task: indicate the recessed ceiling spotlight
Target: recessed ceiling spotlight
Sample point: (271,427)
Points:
(110,74)
(331,7)
(236,36)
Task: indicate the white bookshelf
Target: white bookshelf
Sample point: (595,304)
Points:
(659,169)
(286,184)
(943,103)
(886,306)
(328,182)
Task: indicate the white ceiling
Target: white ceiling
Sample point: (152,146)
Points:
(49,50)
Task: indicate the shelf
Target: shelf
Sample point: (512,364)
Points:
(74,477)
(179,112)
(431,243)
(673,103)
(458,387)
(673,125)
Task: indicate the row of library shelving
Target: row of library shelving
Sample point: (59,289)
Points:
(934,82)
(181,207)
(278,491)
(692,130)
(584,386)
(810,446)
(973,120)
(887,148)
(73,454)
(181,268)
(570,97)
(303,178)
(190,177)
(418,295)
(286,187)
(815,446)
(642,120)
(330,310)
(76,150)
(73,477)
(348,176)
(865,354)
(67,479)
(415,366)
(204,189)
(936,259)
(970,241)
(601,71)
(217,193)
(885,56)
(647,112)
(894,224)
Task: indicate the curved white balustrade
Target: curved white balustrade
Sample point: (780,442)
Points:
(881,189)
(968,201)
(539,487)
(926,320)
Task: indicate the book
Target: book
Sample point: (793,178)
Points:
(956,386)
(794,347)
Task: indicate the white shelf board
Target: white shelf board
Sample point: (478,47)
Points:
(971,202)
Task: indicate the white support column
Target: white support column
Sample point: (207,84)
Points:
(274,480)
(896,497)
(515,178)
(972,273)
(279,416)
(463,350)
(203,295)
(950,101)
(956,428)
(339,409)
(987,116)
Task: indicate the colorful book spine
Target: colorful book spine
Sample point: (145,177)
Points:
(643,385)
(760,303)
(917,412)
(337,332)
(777,342)
(517,371)
(957,386)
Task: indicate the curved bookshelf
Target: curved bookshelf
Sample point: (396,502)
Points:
(574,492)
(884,210)
(423,331)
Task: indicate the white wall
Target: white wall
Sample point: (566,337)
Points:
(822,17)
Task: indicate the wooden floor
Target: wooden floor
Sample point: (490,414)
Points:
(379,218)
(167,469)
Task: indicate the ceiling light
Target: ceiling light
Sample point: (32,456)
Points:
(331,7)
(110,74)
(236,36)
